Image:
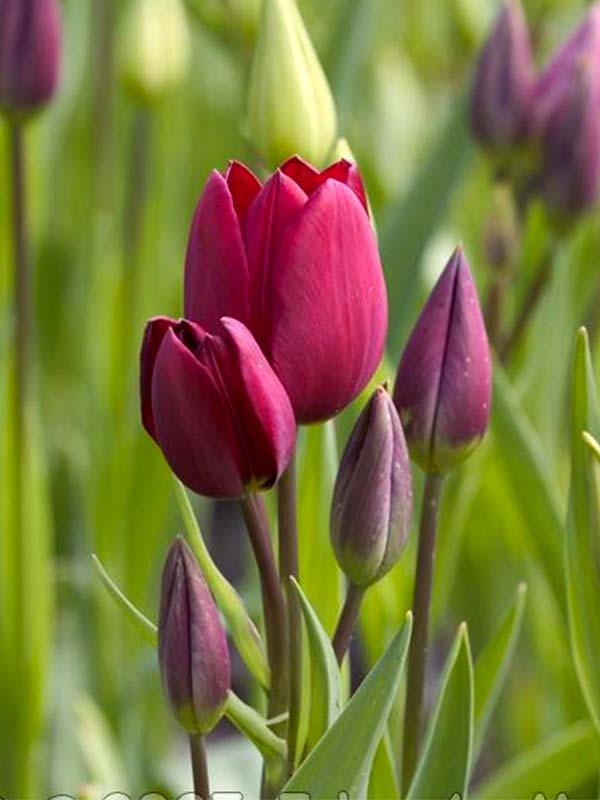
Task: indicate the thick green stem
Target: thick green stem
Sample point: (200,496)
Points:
(289,567)
(417,658)
(199,766)
(347,621)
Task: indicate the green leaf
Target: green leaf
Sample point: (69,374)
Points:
(254,727)
(582,541)
(99,747)
(383,784)
(592,443)
(243,631)
(343,758)
(492,665)
(445,763)
(560,764)
(325,679)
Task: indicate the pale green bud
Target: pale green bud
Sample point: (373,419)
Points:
(290,105)
(230,18)
(155,47)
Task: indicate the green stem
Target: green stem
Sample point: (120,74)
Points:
(199,766)
(417,658)
(347,621)
(289,568)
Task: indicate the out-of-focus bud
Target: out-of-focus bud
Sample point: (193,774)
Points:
(155,48)
(443,385)
(215,407)
(296,261)
(566,122)
(192,646)
(503,82)
(30,54)
(290,105)
(372,499)
(237,19)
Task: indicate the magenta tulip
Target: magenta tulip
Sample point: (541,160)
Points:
(296,260)
(30,54)
(443,385)
(503,81)
(192,646)
(215,407)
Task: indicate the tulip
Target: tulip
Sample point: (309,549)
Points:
(372,497)
(192,646)
(566,122)
(503,82)
(296,260)
(215,407)
(443,385)
(30,54)
(290,105)
(155,47)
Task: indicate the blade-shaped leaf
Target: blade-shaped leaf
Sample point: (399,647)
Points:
(492,666)
(325,680)
(383,784)
(560,764)
(243,631)
(582,541)
(445,764)
(254,727)
(342,760)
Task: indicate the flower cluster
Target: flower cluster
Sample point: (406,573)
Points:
(544,127)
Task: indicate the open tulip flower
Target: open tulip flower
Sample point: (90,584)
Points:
(215,407)
(295,260)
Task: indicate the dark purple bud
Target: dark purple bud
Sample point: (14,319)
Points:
(192,647)
(372,498)
(566,122)
(30,54)
(443,385)
(503,81)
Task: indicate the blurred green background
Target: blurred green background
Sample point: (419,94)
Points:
(94,716)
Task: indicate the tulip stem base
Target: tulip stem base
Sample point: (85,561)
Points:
(289,567)
(417,658)
(199,766)
(347,621)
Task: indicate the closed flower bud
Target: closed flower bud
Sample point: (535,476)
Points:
(155,47)
(192,646)
(566,122)
(230,17)
(296,261)
(30,54)
(215,407)
(503,82)
(290,106)
(443,385)
(372,498)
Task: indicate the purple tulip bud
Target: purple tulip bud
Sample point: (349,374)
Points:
(215,407)
(192,646)
(372,498)
(443,385)
(30,53)
(566,122)
(503,81)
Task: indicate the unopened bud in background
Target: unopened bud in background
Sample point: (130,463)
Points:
(155,47)
(30,54)
(372,499)
(192,646)
(235,19)
(290,105)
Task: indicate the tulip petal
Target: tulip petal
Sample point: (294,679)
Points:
(153,336)
(216,270)
(309,178)
(329,304)
(243,185)
(193,425)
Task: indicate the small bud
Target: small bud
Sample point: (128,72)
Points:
(443,385)
(372,498)
(155,48)
(192,647)
(503,82)
(30,54)
(290,106)
(231,18)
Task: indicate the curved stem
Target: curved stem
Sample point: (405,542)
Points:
(417,658)
(289,567)
(199,766)
(347,621)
